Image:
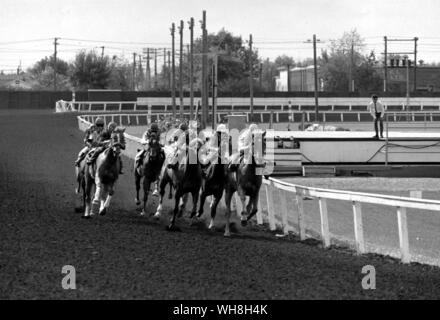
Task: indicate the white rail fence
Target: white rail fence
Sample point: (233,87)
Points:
(283,219)
(260,104)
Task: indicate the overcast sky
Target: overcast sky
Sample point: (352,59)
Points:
(278,26)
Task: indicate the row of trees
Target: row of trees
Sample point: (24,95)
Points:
(344,60)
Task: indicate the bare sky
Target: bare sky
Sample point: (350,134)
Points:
(278,26)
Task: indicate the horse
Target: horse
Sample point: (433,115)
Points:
(246,181)
(103,174)
(213,179)
(185,176)
(149,170)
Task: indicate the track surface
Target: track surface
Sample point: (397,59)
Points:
(125,256)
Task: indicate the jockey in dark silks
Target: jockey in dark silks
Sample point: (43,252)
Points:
(152,133)
(102,143)
(90,139)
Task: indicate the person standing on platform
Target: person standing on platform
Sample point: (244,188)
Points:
(377,111)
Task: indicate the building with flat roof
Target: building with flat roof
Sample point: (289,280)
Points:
(301,79)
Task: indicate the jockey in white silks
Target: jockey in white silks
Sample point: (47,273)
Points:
(244,147)
(213,147)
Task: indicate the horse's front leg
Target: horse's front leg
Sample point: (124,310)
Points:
(254,201)
(177,198)
(137,182)
(195,198)
(98,194)
(109,192)
(182,204)
(146,191)
(242,196)
(202,203)
(87,199)
(228,198)
(216,199)
(162,185)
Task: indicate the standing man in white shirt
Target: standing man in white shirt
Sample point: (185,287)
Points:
(377,111)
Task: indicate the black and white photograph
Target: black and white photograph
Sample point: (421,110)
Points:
(212,158)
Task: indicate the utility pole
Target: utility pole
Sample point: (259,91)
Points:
(173,70)
(315,64)
(261,76)
(55,64)
(169,70)
(102,52)
(134,72)
(155,69)
(204,73)
(415,63)
(164,66)
(181,70)
(191,69)
(350,78)
(385,65)
(148,69)
(407,82)
(214,91)
(288,77)
(251,78)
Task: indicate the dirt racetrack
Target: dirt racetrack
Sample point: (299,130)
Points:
(124,256)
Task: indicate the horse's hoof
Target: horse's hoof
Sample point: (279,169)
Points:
(244,223)
(172,228)
(143,213)
(86,217)
(103,212)
(138,203)
(157,215)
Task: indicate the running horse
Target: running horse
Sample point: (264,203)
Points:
(214,175)
(246,181)
(148,170)
(103,174)
(185,176)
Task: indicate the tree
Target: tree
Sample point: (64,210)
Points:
(343,58)
(90,71)
(42,73)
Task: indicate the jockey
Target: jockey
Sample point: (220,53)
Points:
(213,147)
(102,143)
(90,139)
(153,131)
(244,146)
(181,143)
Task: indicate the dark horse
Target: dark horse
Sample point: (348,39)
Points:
(149,170)
(246,181)
(213,177)
(185,176)
(103,174)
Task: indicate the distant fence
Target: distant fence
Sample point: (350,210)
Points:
(283,219)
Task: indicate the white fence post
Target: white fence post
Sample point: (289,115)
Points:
(270,213)
(324,222)
(301,220)
(358,228)
(284,211)
(259,212)
(403,234)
